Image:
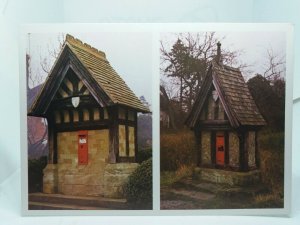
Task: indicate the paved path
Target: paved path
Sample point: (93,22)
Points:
(194,194)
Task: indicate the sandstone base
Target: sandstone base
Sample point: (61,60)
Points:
(58,179)
(115,176)
(50,179)
(228,177)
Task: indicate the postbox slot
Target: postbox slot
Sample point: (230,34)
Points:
(82,147)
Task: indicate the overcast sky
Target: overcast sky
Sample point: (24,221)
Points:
(130,54)
(252,45)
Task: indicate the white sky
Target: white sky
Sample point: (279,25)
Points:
(130,54)
(253,46)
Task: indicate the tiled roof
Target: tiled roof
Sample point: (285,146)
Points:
(237,95)
(106,77)
(234,94)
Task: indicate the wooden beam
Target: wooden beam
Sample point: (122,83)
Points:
(113,135)
(127,139)
(101,113)
(80,114)
(126,122)
(66,89)
(243,156)
(91,113)
(83,125)
(226,148)
(213,147)
(257,156)
(126,159)
(198,139)
(135,136)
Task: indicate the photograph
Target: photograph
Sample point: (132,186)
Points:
(222,119)
(89,120)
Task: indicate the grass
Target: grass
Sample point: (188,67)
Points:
(271,145)
(169,178)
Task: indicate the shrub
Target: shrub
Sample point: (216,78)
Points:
(177,150)
(271,145)
(143,155)
(168,178)
(35,174)
(138,188)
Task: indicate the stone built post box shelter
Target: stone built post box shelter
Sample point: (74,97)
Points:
(92,123)
(225,120)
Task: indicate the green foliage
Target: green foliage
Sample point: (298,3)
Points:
(35,174)
(168,178)
(270,99)
(271,145)
(143,155)
(177,150)
(138,189)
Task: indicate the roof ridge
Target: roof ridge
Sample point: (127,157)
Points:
(78,43)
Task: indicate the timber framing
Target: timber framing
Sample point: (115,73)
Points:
(225,108)
(83,72)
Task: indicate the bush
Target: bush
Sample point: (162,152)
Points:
(138,188)
(177,150)
(271,145)
(35,174)
(168,178)
(143,155)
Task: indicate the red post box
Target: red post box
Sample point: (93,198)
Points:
(83,147)
(220,149)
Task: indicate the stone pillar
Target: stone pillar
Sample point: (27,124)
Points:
(50,179)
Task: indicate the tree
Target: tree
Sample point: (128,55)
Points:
(269,100)
(274,67)
(186,63)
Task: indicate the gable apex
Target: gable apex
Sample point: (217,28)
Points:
(234,95)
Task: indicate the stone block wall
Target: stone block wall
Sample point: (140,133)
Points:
(234,147)
(97,178)
(206,147)
(73,179)
(250,145)
(228,177)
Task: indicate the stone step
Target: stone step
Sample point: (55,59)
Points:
(222,189)
(80,201)
(52,206)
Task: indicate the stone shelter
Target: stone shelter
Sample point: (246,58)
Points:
(225,121)
(92,123)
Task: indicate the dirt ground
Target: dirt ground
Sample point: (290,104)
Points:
(190,193)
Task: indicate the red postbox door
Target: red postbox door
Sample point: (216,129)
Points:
(220,150)
(83,147)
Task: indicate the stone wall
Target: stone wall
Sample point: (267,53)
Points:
(228,177)
(250,145)
(233,149)
(98,178)
(73,179)
(206,147)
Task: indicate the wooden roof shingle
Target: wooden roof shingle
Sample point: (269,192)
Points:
(100,72)
(234,95)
